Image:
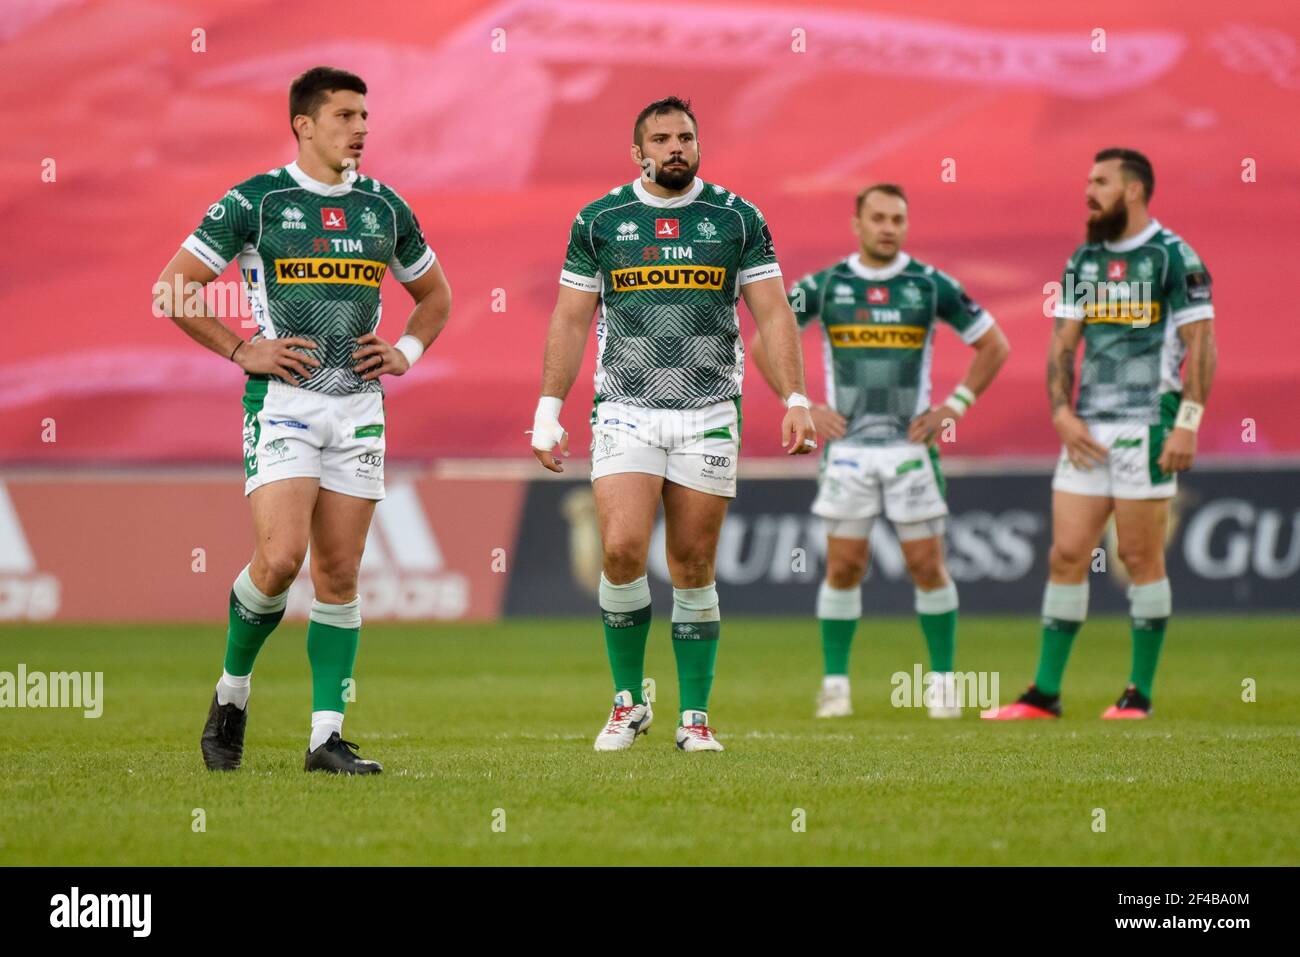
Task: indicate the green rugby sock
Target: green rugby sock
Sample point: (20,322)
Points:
(1149,607)
(937,612)
(625,612)
(332,637)
(696,628)
(253,616)
(838,611)
(1064,609)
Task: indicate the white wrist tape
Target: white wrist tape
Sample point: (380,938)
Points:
(1189,415)
(960,401)
(797,400)
(547,432)
(410,347)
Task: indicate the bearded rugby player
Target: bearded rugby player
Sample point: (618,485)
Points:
(666,258)
(1138,298)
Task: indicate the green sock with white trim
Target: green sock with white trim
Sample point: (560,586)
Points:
(697,626)
(1064,609)
(1150,606)
(838,611)
(937,612)
(625,612)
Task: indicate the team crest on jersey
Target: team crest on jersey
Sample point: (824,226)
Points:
(627,232)
(911,295)
(369,222)
(706,229)
(1144,269)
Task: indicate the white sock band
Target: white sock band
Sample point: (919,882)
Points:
(251,597)
(937,602)
(1153,600)
(1066,602)
(340,616)
(633,596)
(839,604)
(323,724)
(696,604)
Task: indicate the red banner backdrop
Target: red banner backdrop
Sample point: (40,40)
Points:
(497,121)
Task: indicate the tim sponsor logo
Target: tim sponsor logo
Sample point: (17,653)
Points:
(74,909)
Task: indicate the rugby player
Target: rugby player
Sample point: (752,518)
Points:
(878,310)
(313,240)
(666,258)
(1138,297)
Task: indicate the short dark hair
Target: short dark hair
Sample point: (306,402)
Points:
(1133,165)
(310,90)
(669,104)
(891,189)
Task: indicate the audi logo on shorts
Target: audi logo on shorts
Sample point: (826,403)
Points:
(371,458)
(721,461)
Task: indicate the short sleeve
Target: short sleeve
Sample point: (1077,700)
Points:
(1187,286)
(227,227)
(580,270)
(805,298)
(758,257)
(412,257)
(955,307)
(1066,308)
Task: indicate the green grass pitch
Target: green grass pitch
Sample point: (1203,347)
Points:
(469,719)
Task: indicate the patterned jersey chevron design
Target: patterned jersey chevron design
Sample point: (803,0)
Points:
(1132,296)
(669,274)
(878,327)
(312,257)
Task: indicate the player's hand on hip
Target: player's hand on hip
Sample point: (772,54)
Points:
(798,434)
(1178,451)
(1082,449)
(375,357)
(927,426)
(829,423)
(281,358)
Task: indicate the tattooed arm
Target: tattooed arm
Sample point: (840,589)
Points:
(1075,436)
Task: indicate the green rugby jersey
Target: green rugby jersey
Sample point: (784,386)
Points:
(878,332)
(312,256)
(1132,296)
(669,273)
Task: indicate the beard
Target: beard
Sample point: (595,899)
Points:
(677,178)
(1109,225)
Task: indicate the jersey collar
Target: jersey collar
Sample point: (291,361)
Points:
(665,203)
(315,185)
(885,272)
(1133,242)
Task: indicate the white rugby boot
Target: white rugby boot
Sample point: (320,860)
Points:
(626,721)
(694,734)
(833,699)
(941,694)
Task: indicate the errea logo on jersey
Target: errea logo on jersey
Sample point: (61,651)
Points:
(627,232)
(292,218)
